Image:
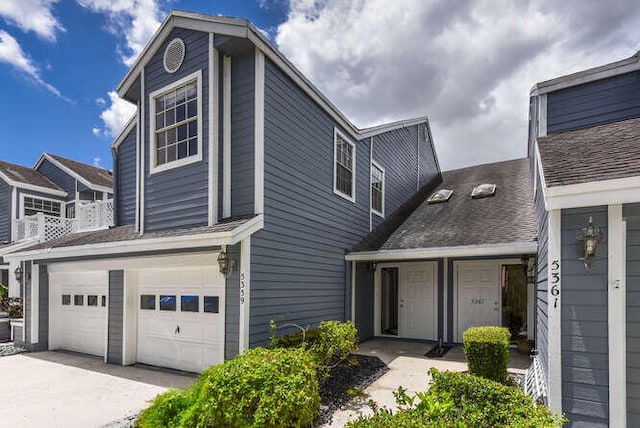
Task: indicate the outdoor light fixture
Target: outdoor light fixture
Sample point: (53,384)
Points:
(18,273)
(225,264)
(529,268)
(588,241)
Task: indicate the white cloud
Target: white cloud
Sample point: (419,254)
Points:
(11,53)
(468,65)
(96,162)
(32,15)
(100,101)
(117,115)
(136,19)
(96,132)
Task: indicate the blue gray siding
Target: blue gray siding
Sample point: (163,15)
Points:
(27,308)
(5,212)
(595,103)
(232,307)
(61,178)
(242,135)
(541,303)
(297,260)
(585,372)
(632,214)
(43,308)
(365,299)
(125,180)
(178,197)
(116,309)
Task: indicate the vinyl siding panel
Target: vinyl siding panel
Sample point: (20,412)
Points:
(541,294)
(297,260)
(595,103)
(28,309)
(43,309)
(365,299)
(242,134)
(178,197)
(61,178)
(585,370)
(125,180)
(633,315)
(116,317)
(232,307)
(5,212)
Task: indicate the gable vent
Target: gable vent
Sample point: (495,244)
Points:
(442,195)
(174,55)
(483,191)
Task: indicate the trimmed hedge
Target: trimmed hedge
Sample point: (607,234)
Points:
(259,388)
(462,400)
(487,351)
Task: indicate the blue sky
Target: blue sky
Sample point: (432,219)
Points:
(468,65)
(83,64)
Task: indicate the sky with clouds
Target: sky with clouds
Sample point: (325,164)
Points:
(468,65)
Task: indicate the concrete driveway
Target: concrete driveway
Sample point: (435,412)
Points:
(57,389)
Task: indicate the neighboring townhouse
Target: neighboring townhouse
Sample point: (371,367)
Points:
(238,190)
(453,257)
(585,129)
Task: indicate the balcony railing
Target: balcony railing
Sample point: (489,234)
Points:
(41,227)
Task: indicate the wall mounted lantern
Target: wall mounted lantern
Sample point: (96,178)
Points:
(18,273)
(588,241)
(529,268)
(225,264)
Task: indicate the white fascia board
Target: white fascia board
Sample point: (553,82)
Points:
(127,129)
(72,173)
(512,248)
(585,76)
(379,129)
(144,245)
(593,193)
(32,187)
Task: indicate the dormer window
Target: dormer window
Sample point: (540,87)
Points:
(483,191)
(176,120)
(442,195)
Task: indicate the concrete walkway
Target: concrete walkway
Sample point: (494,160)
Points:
(57,389)
(408,367)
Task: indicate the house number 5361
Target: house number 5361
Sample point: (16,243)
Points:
(555,282)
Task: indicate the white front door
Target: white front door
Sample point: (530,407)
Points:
(181,317)
(417,300)
(479,295)
(78,311)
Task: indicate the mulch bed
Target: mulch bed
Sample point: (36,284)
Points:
(333,390)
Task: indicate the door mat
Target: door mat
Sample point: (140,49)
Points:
(438,351)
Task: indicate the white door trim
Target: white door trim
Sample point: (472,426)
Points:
(245,298)
(554,309)
(617,289)
(456,264)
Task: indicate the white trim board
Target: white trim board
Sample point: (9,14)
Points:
(554,311)
(213,133)
(29,195)
(506,249)
(259,133)
(125,131)
(245,297)
(226,137)
(72,173)
(593,193)
(202,240)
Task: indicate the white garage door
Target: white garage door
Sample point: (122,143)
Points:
(79,311)
(181,317)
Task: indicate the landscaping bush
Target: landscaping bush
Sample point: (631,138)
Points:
(294,339)
(461,400)
(487,351)
(259,388)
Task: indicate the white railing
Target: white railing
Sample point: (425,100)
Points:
(41,227)
(534,381)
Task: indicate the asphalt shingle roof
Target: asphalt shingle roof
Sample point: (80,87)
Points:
(94,175)
(22,174)
(602,152)
(501,219)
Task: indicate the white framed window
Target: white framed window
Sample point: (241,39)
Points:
(377,189)
(176,122)
(32,205)
(344,166)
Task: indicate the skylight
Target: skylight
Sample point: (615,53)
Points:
(440,196)
(483,191)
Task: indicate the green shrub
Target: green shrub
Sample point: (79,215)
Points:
(295,339)
(259,388)
(461,400)
(487,351)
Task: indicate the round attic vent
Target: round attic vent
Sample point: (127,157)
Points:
(174,55)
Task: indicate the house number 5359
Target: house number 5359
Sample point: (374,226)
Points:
(242,288)
(555,282)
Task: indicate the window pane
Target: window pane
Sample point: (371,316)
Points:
(170,117)
(193,128)
(92,300)
(192,90)
(211,304)
(162,139)
(189,303)
(171,153)
(78,300)
(159,120)
(171,136)
(167,303)
(161,157)
(104,301)
(170,100)
(148,301)
(182,150)
(159,104)
(192,108)
(193,146)
(182,132)
(181,113)
(181,95)
(66,299)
